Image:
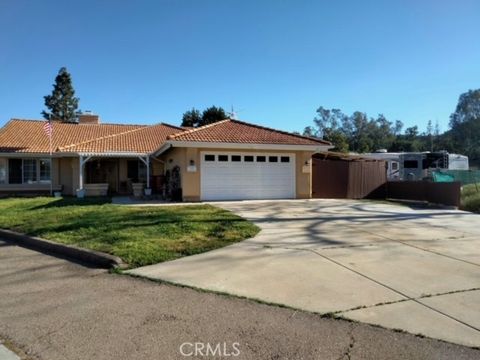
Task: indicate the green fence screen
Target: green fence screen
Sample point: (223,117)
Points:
(464,176)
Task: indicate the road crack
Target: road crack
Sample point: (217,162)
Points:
(348,351)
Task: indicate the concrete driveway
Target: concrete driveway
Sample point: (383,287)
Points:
(380,263)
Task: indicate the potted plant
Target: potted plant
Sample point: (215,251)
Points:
(80,193)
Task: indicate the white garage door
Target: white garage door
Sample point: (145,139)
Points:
(241,176)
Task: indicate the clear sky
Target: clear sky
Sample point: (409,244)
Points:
(274,61)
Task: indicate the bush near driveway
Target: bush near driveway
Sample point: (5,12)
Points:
(471,198)
(138,235)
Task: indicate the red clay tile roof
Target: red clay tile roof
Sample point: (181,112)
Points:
(144,140)
(28,136)
(235,131)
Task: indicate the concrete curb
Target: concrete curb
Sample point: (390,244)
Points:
(95,258)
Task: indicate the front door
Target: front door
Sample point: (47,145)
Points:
(101,171)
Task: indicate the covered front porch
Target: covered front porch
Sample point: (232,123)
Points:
(119,174)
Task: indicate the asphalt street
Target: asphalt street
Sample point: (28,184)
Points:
(51,309)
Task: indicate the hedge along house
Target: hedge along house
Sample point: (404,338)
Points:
(226,160)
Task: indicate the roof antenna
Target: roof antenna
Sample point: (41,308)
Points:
(233,114)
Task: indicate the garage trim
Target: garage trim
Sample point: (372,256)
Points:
(242,154)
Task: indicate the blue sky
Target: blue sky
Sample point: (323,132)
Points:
(274,61)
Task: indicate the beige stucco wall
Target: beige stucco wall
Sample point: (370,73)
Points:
(57,172)
(68,175)
(191,180)
(157,167)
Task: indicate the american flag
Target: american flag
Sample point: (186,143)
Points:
(48,128)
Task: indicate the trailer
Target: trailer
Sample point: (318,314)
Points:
(419,165)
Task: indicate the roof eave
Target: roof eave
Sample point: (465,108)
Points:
(72,154)
(255,146)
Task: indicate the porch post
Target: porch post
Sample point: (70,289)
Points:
(146,161)
(80,173)
(81,162)
(148,171)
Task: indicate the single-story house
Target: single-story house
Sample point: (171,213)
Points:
(229,159)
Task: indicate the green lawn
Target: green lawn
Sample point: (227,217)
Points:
(138,235)
(471,198)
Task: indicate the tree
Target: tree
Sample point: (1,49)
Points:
(436,131)
(338,140)
(212,115)
(430,133)
(360,140)
(411,133)
(468,108)
(464,135)
(191,118)
(328,125)
(310,132)
(62,103)
(397,128)
(382,132)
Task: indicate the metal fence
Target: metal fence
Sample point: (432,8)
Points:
(445,193)
(344,179)
(465,177)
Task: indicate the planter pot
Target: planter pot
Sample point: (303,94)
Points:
(57,194)
(98,189)
(137,189)
(80,193)
(148,192)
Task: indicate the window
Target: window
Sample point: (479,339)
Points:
(136,171)
(261,158)
(222,157)
(25,171)
(3,171)
(248,158)
(142,171)
(132,170)
(209,157)
(273,159)
(14,171)
(285,159)
(394,166)
(29,171)
(410,164)
(45,168)
(236,158)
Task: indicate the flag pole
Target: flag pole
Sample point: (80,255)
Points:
(51,158)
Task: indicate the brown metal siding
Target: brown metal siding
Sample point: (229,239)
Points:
(347,179)
(329,179)
(436,193)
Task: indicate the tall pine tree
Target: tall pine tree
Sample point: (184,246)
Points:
(62,103)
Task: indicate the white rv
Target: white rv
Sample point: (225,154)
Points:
(392,160)
(417,165)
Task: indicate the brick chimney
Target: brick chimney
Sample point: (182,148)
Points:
(88,118)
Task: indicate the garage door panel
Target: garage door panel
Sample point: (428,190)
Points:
(234,180)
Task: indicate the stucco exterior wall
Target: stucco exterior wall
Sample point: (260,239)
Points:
(68,175)
(157,167)
(191,179)
(57,173)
